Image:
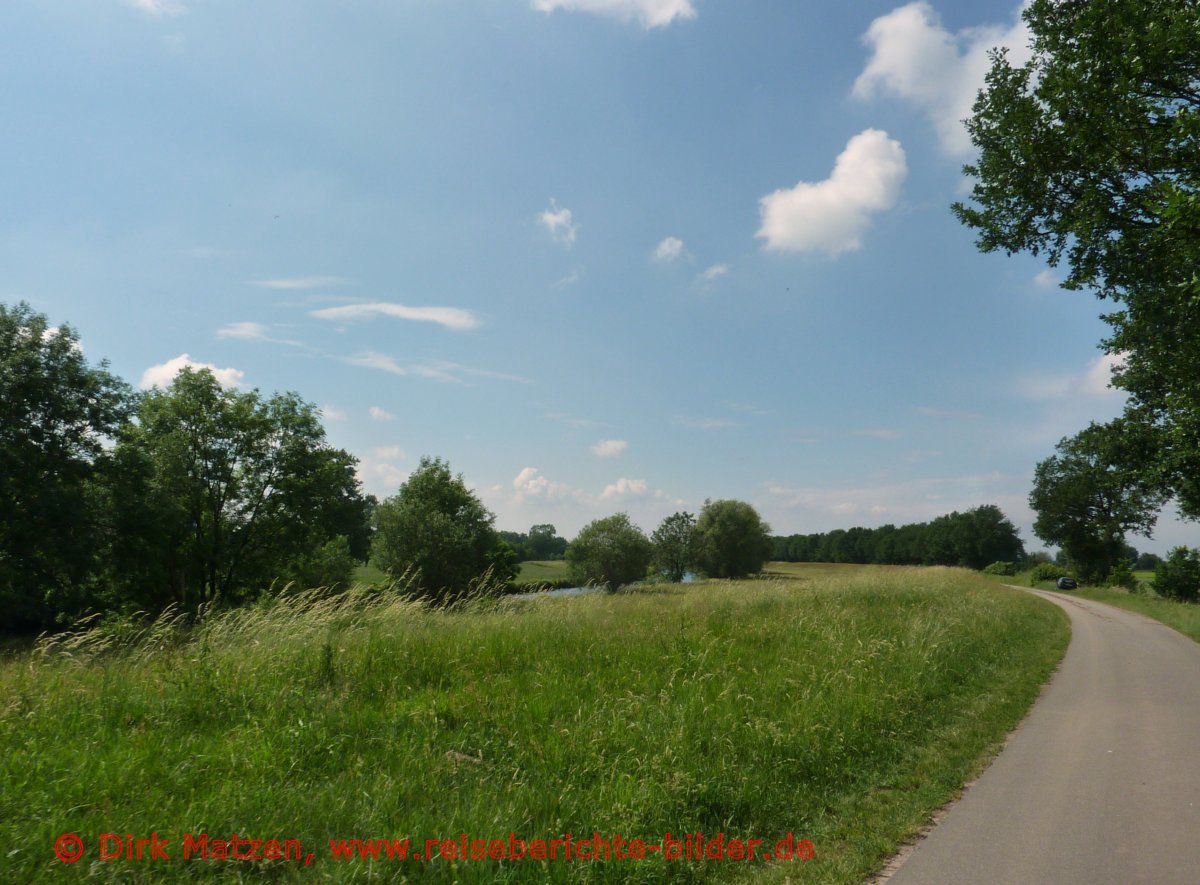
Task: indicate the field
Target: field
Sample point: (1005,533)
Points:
(552,571)
(840,704)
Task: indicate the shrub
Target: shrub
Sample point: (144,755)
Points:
(1121,575)
(609,552)
(732,541)
(327,565)
(1007,569)
(1178,576)
(1046,571)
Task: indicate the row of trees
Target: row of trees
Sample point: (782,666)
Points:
(112,499)
(972,539)
(1089,154)
(541,543)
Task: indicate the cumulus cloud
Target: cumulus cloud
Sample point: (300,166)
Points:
(649,13)
(557,220)
(451,317)
(381,478)
(390,453)
(831,216)
(1094,381)
(914,58)
(293,283)
(379,414)
(162,374)
(1046,279)
(531,484)
(609,448)
(332,413)
(668,250)
(624,488)
(158,8)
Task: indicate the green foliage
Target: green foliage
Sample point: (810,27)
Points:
(609,552)
(438,527)
(1090,155)
(1121,575)
(56,414)
(1007,569)
(1046,571)
(1178,576)
(971,539)
(1038,557)
(674,546)
(230,488)
(1147,562)
(542,543)
(329,565)
(731,540)
(1086,502)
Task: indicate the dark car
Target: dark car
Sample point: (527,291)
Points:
(1066,584)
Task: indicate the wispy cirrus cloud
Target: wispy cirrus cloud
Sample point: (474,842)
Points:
(648,13)
(451,317)
(247,331)
(158,8)
(298,283)
(433,370)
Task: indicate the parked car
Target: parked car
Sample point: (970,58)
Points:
(1066,584)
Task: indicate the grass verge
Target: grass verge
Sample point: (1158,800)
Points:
(1182,616)
(844,708)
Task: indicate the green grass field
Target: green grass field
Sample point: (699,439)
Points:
(551,571)
(841,704)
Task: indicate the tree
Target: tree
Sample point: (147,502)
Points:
(1086,506)
(674,545)
(732,541)
(1090,155)
(1178,576)
(544,542)
(57,413)
(609,552)
(1147,562)
(236,490)
(438,527)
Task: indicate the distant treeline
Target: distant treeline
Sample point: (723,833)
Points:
(973,539)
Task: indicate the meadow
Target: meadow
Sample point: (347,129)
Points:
(840,704)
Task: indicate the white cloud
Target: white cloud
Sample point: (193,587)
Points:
(1046,279)
(292,283)
(378,414)
(252,332)
(609,448)
(531,484)
(157,8)
(831,216)
(380,478)
(668,250)
(913,57)
(1094,381)
(438,370)
(332,413)
(624,488)
(712,274)
(650,13)
(879,433)
(162,374)
(451,317)
(569,280)
(557,220)
(389,453)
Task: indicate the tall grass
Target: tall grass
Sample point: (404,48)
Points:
(843,708)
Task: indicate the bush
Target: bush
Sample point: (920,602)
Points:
(609,552)
(1178,577)
(1046,571)
(1008,569)
(1121,575)
(330,564)
(732,541)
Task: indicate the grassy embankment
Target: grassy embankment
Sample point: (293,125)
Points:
(1181,616)
(841,704)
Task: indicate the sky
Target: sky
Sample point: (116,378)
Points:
(601,255)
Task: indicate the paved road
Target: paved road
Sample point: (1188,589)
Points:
(1101,783)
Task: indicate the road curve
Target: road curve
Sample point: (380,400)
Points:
(1100,783)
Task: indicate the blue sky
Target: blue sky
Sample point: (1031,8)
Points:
(600,254)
